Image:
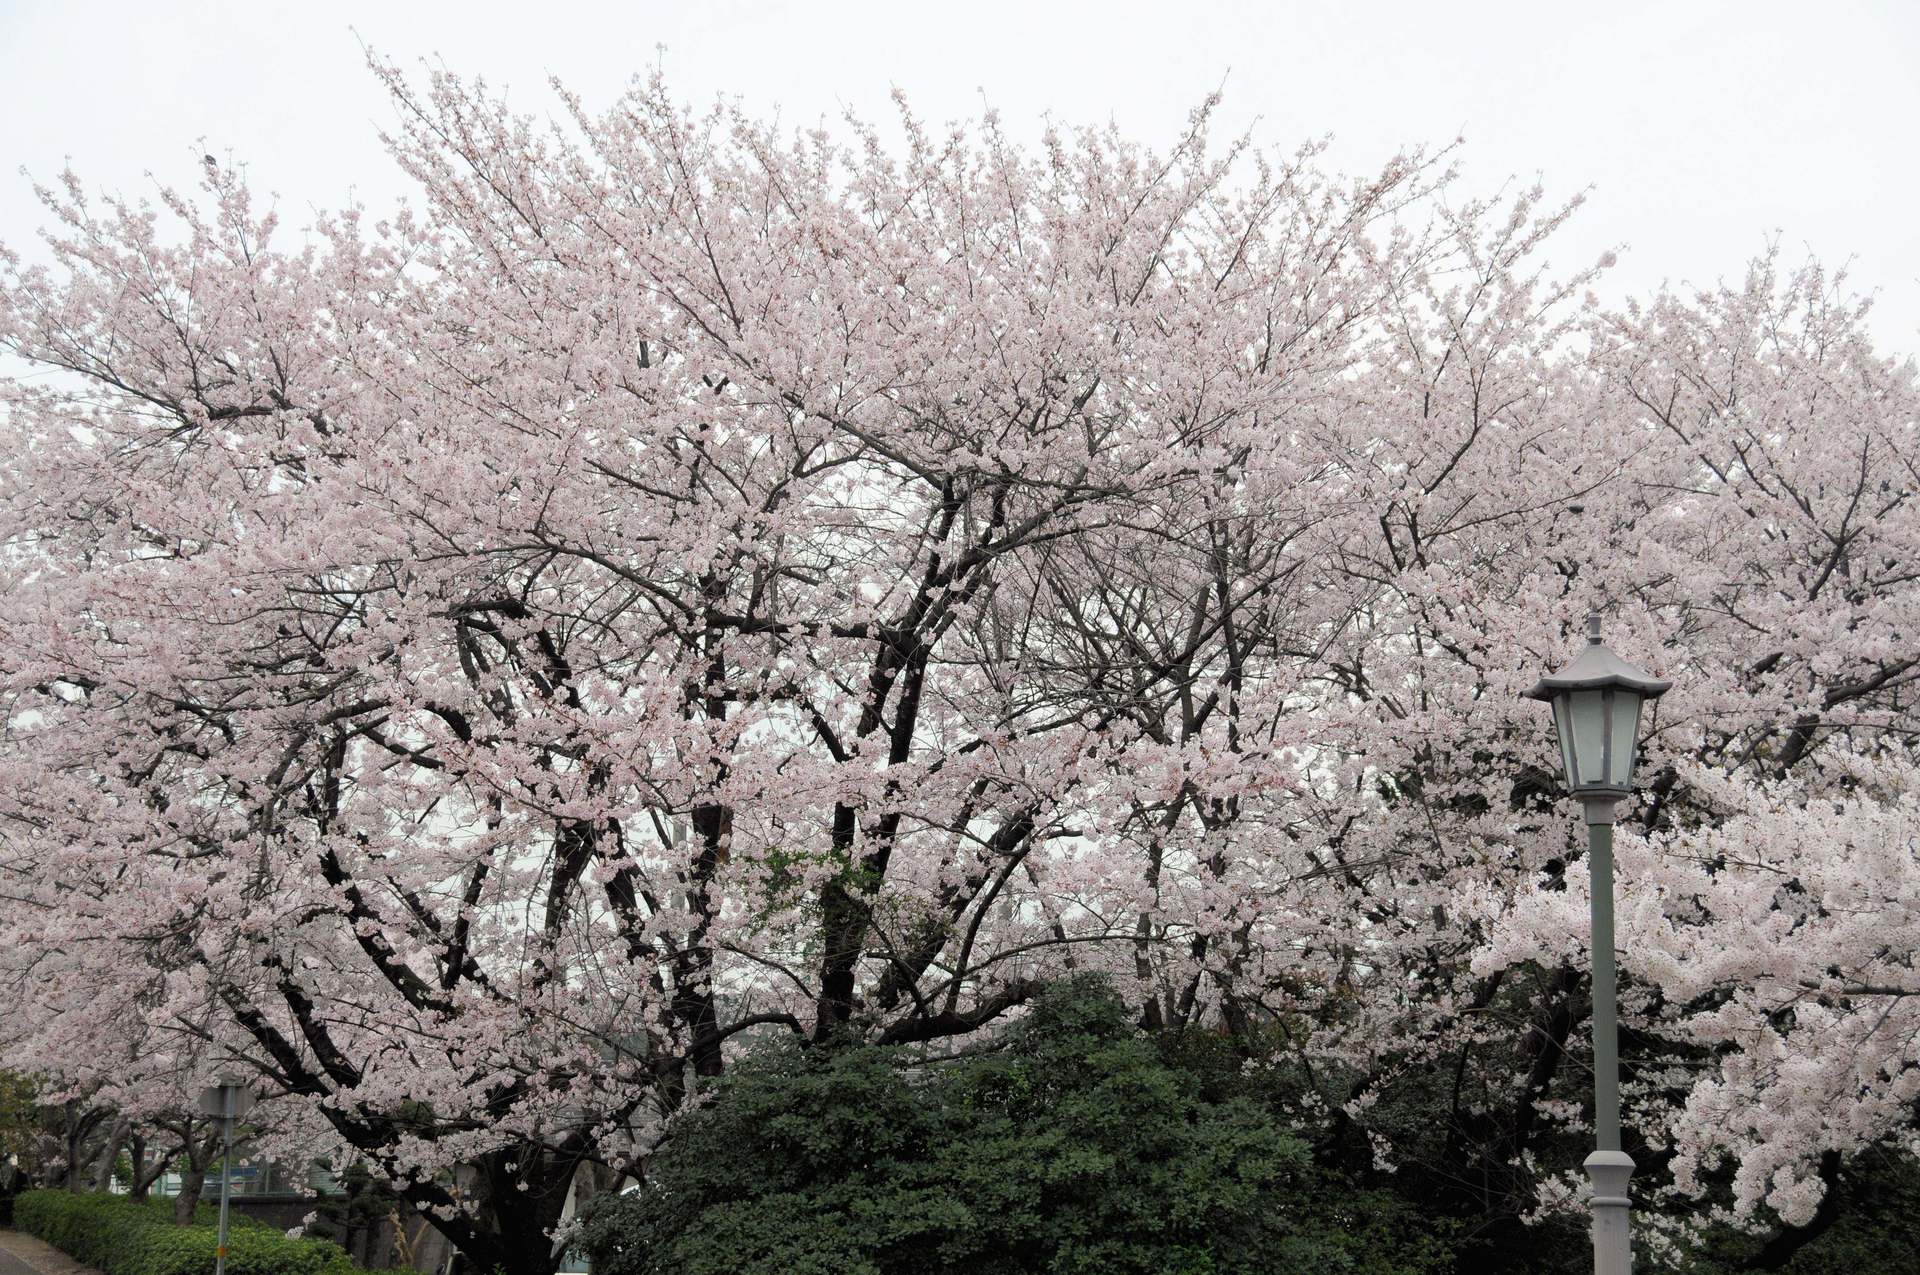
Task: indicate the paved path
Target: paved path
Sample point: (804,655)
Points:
(24,1255)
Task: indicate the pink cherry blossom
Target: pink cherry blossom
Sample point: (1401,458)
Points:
(473,670)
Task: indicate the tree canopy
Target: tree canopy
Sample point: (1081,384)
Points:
(477,667)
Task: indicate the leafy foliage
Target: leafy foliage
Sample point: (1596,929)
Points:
(1874,1229)
(1076,1148)
(365,1204)
(123,1238)
(19,1125)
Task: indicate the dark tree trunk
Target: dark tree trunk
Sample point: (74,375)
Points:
(193,1179)
(522,1206)
(137,1152)
(192,1182)
(1504,1191)
(147,1169)
(79,1126)
(103,1162)
(1780,1249)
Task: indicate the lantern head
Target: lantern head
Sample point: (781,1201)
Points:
(1596,709)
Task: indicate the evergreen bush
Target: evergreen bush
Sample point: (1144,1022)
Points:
(1076,1150)
(121,1237)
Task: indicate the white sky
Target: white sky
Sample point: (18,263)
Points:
(1703,128)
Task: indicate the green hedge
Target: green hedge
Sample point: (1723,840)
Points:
(124,1238)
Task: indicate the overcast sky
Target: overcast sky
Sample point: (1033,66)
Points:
(1702,128)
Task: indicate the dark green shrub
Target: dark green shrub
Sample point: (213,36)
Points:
(1076,1150)
(362,1208)
(124,1238)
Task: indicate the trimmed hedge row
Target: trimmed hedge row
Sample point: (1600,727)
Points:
(124,1238)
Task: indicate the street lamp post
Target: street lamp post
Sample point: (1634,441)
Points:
(1597,701)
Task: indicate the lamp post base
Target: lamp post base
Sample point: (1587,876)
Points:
(1612,1247)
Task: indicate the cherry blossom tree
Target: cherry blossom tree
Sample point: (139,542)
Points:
(476,667)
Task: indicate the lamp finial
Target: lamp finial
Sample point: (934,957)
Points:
(1593,628)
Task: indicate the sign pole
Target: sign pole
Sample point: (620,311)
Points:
(226,1175)
(226,1102)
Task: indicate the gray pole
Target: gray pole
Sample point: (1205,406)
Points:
(1608,1167)
(226,1177)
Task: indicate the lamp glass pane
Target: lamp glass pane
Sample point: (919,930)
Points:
(1626,735)
(1563,724)
(1589,738)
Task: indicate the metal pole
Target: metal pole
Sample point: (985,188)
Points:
(226,1178)
(1608,1168)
